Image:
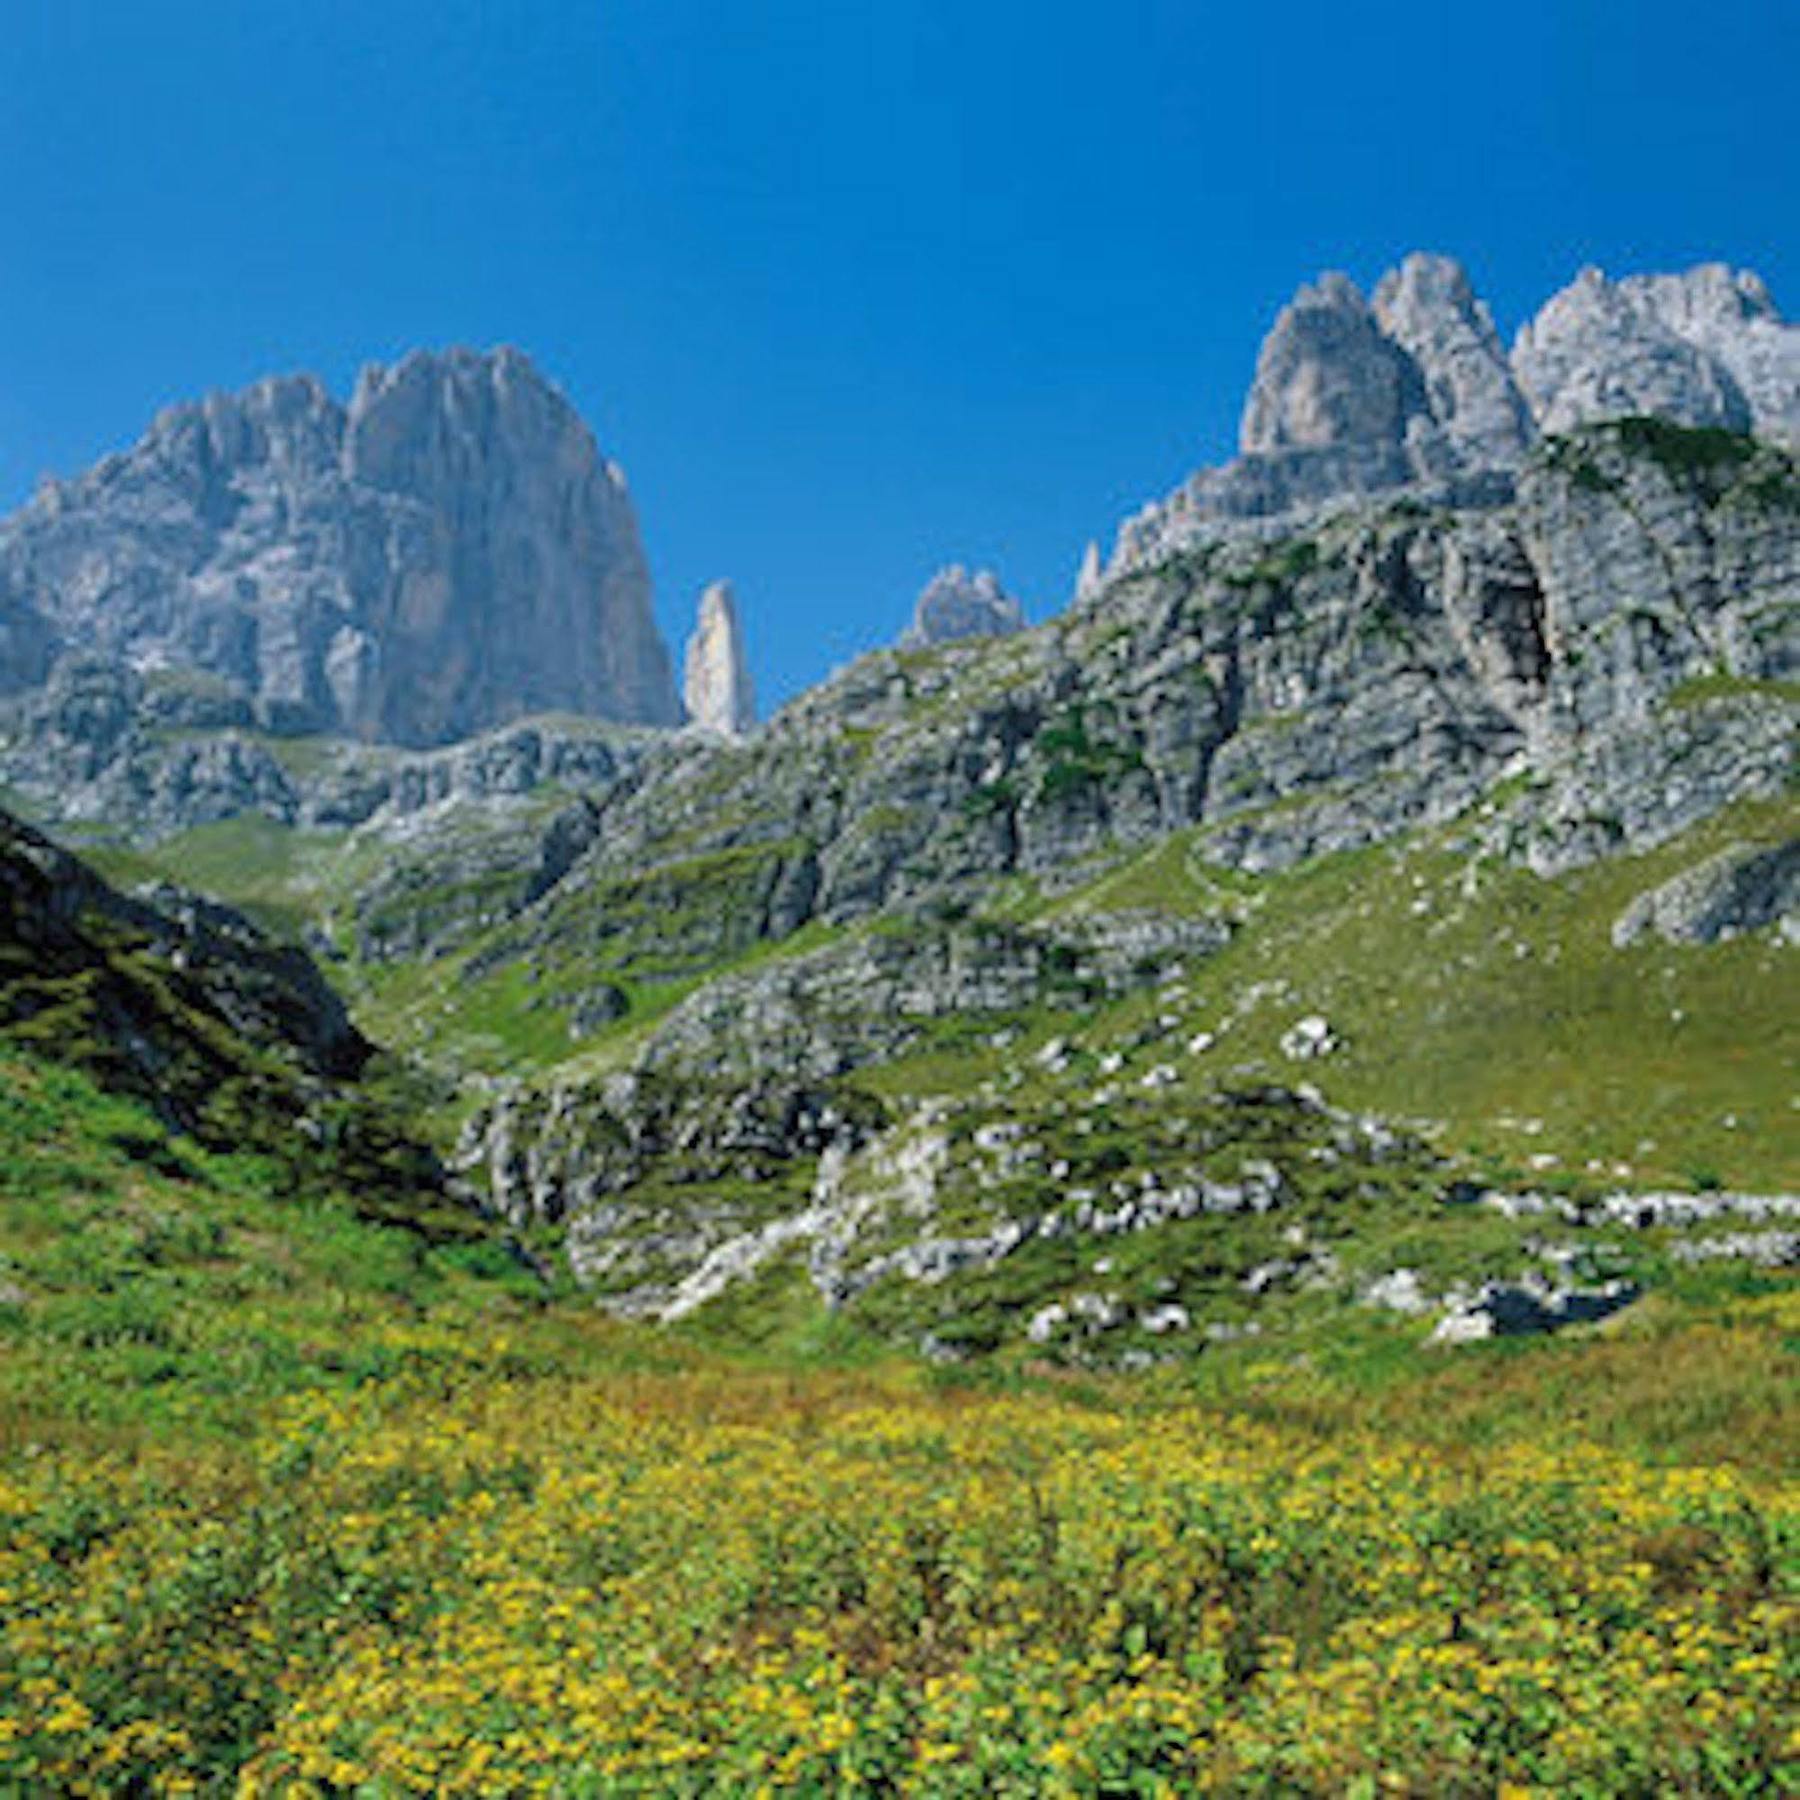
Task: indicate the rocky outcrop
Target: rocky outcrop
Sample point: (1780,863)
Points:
(1745,887)
(164,994)
(1704,348)
(867,998)
(956,603)
(1329,378)
(27,646)
(671,1191)
(1616,648)
(1352,397)
(156,755)
(1529,1307)
(716,686)
(1412,390)
(1474,415)
(1616,644)
(447,553)
(653,1178)
(1313,693)
(1091,572)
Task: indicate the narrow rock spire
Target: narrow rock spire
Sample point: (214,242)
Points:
(1088,580)
(717,686)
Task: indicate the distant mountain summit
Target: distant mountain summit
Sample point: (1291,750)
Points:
(1704,348)
(1412,387)
(957,603)
(448,552)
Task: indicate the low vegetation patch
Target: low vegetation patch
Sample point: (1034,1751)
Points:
(292,1503)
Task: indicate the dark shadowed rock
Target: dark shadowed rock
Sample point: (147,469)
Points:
(1743,888)
(1329,377)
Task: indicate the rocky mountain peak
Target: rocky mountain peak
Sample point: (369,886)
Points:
(1413,388)
(448,553)
(1709,294)
(1601,350)
(1706,347)
(1429,308)
(958,603)
(1089,576)
(717,687)
(1327,376)
(435,417)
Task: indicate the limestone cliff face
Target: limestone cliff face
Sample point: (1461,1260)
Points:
(445,554)
(1616,641)
(27,647)
(1326,674)
(1474,415)
(1703,348)
(716,687)
(1329,378)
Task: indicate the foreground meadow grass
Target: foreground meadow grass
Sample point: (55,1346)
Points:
(291,1504)
(479,1578)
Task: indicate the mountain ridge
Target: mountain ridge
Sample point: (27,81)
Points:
(448,551)
(725,1009)
(1412,389)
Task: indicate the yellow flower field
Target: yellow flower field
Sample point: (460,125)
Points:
(488,1577)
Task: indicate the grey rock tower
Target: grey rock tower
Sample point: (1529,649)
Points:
(716,683)
(449,552)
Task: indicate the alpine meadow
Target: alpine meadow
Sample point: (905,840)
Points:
(1192,1190)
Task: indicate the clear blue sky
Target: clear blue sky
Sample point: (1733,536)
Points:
(850,289)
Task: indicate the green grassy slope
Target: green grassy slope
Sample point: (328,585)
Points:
(290,1502)
(152,1284)
(1478,996)
(1471,997)
(1469,994)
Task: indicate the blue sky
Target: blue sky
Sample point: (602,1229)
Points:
(851,290)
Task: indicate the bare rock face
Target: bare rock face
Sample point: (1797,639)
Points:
(957,604)
(717,687)
(1474,413)
(1600,350)
(1327,378)
(444,555)
(1088,577)
(1731,315)
(1413,390)
(531,593)
(27,647)
(1745,887)
(1356,397)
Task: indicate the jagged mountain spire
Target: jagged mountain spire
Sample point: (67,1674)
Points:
(717,687)
(1414,388)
